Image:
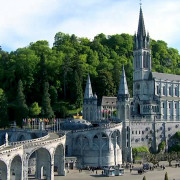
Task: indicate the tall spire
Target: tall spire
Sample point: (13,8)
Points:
(141,40)
(141,27)
(88,91)
(123,88)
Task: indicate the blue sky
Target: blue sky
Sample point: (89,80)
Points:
(25,21)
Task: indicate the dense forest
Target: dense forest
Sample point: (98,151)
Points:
(39,81)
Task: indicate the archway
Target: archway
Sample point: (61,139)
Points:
(3,170)
(16,168)
(39,164)
(59,160)
(116,142)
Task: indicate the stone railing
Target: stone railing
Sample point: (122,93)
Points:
(2,147)
(11,149)
(32,144)
(29,141)
(105,126)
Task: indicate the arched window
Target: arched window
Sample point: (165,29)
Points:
(176,91)
(164,90)
(145,60)
(170,90)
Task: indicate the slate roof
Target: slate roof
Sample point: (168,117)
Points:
(108,101)
(164,76)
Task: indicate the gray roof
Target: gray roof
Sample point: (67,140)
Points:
(88,91)
(108,101)
(164,76)
(123,88)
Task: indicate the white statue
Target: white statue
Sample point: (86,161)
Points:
(6,139)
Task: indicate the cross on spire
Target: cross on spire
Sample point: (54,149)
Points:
(140,3)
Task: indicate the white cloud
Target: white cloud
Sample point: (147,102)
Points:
(22,21)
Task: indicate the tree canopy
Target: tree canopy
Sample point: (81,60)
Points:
(65,67)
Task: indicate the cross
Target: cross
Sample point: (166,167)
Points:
(140,3)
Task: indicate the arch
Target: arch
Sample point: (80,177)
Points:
(59,159)
(16,168)
(3,170)
(40,158)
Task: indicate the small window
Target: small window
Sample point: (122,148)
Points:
(170,91)
(139,132)
(157,90)
(169,105)
(132,132)
(164,90)
(163,105)
(176,91)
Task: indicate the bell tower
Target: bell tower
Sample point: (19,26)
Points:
(141,58)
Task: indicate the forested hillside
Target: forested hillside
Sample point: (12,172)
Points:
(39,81)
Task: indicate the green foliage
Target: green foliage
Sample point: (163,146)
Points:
(34,110)
(176,135)
(176,142)
(136,150)
(46,110)
(144,178)
(166,176)
(161,146)
(3,110)
(102,57)
(21,106)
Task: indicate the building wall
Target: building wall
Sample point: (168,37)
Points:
(96,146)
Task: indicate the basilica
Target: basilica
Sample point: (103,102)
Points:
(152,115)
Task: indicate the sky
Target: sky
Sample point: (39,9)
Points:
(26,21)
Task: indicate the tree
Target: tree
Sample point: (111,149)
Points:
(34,110)
(78,91)
(22,108)
(144,178)
(53,94)
(3,109)
(46,111)
(166,176)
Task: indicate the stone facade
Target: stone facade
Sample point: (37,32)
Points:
(152,115)
(96,147)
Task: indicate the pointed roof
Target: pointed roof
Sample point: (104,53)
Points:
(123,88)
(141,27)
(88,91)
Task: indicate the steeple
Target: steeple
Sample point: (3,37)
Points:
(141,40)
(88,91)
(141,27)
(123,88)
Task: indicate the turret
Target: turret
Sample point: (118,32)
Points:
(123,98)
(89,103)
(88,91)
(123,92)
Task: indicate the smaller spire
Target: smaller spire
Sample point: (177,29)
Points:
(88,91)
(123,88)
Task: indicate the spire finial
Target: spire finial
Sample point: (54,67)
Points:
(140,3)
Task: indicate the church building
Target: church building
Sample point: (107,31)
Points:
(152,115)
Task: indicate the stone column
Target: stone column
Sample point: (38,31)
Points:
(8,172)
